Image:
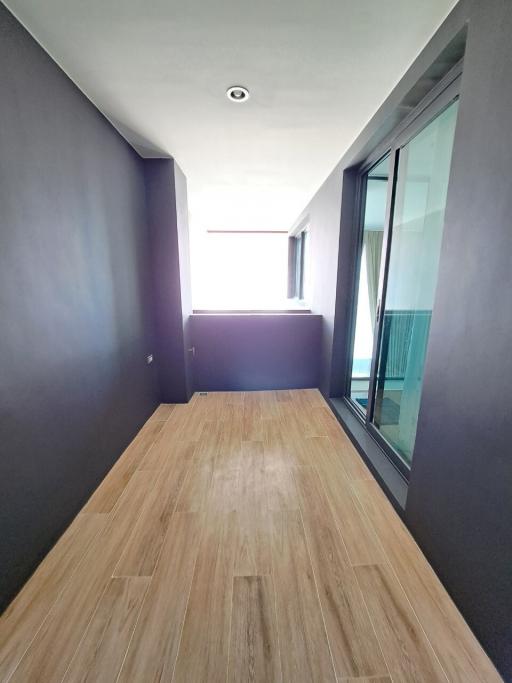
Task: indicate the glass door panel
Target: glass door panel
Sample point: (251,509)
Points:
(375,184)
(416,234)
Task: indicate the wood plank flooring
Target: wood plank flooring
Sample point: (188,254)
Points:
(239,538)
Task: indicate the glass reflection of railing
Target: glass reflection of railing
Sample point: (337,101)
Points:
(404,341)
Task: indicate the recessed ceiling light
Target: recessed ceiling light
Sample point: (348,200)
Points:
(237,93)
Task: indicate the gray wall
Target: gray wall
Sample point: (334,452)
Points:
(166,192)
(460,495)
(255,351)
(74,302)
(182,229)
(322,215)
(459,504)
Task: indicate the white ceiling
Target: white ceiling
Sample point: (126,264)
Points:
(317,70)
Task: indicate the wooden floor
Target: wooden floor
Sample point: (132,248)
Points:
(238,538)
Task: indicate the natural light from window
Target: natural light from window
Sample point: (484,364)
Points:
(240,271)
(363,342)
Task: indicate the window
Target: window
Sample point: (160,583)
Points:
(402,204)
(416,234)
(240,270)
(299,275)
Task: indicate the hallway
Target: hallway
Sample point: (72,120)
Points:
(241,538)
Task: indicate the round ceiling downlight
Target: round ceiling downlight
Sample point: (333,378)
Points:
(237,93)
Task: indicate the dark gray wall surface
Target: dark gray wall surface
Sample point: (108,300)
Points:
(74,299)
(459,503)
(322,215)
(180,183)
(255,351)
(460,495)
(166,192)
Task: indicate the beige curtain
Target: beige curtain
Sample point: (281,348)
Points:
(373,248)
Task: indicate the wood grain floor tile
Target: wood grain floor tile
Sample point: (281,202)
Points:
(151,657)
(348,457)
(293,433)
(254,650)
(163,412)
(252,418)
(187,421)
(233,411)
(213,405)
(143,547)
(408,653)
(269,405)
(224,491)
(304,645)
(234,398)
(24,616)
(270,552)
(354,647)
(209,443)
(366,679)
(254,551)
(253,556)
(230,449)
(109,491)
(204,648)
(277,450)
(309,397)
(195,491)
(54,645)
(252,482)
(164,450)
(458,650)
(358,535)
(103,648)
(305,407)
(281,490)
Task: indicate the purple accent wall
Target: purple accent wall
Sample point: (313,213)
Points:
(255,351)
(166,192)
(75,302)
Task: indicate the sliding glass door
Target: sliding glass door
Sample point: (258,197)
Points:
(402,227)
(417,230)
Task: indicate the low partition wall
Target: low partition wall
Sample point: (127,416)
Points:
(255,351)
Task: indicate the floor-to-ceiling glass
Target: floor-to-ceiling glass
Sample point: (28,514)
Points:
(416,234)
(375,186)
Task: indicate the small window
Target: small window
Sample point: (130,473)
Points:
(240,270)
(299,286)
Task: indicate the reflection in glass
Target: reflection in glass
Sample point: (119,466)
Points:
(417,228)
(367,292)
